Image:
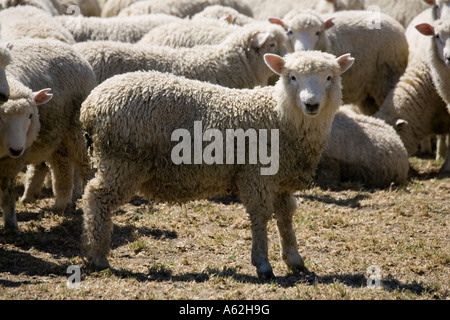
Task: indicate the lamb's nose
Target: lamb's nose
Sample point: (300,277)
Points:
(15,152)
(312,107)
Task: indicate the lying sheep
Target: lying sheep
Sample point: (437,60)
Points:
(36,65)
(363,149)
(31,22)
(224,13)
(376,70)
(124,29)
(403,11)
(216,63)
(134,119)
(178,8)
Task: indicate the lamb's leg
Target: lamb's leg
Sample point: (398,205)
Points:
(9,205)
(285,206)
(34,179)
(112,186)
(441,147)
(62,180)
(446,166)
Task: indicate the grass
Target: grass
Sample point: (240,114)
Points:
(201,250)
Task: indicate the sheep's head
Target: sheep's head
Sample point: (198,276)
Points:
(310,79)
(347,4)
(441,8)
(19,120)
(305,30)
(5,59)
(441,34)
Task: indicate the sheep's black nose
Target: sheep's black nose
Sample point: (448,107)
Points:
(312,107)
(3,98)
(15,152)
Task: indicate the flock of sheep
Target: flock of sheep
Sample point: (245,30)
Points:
(92,91)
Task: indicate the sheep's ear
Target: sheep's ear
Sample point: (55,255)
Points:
(43,96)
(400,124)
(274,62)
(330,1)
(425,29)
(277,21)
(259,38)
(345,62)
(329,23)
(432,2)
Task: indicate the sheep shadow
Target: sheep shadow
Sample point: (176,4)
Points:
(353,202)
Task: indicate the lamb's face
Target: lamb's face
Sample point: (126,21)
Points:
(442,40)
(19,123)
(310,79)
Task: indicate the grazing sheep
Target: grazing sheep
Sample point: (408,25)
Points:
(403,11)
(38,64)
(376,70)
(136,153)
(363,149)
(215,63)
(224,13)
(31,22)
(178,8)
(5,59)
(124,29)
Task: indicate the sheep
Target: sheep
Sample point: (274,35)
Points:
(214,63)
(224,13)
(88,8)
(124,29)
(31,22)
(52,7)
(178,8)
(135,9)
(41,64)
(266,9)
(438,58)
(441,8)
(376,71)
(403,11)
(134,153)
(5,59)
(363,149)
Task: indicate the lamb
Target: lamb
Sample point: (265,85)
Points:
(224,13)
(31,22)
(376,71)
(134,153)
(124,29)
(215,63)
(178,8)
(37,65)
(404,11)
(438,58)
(363,149)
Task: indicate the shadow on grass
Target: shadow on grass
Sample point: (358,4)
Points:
(350,202)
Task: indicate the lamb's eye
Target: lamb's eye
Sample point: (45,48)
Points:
(30,116)
(290,33)
(293,78)
(329,78)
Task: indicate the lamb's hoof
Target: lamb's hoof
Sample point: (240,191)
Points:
(11,228)
(99,263)
(265,273)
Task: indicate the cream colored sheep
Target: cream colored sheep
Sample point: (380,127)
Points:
(403,11)
(135,119)
(224,13)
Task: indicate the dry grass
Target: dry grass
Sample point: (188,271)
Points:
(202,250)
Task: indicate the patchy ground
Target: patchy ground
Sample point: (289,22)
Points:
(202,250)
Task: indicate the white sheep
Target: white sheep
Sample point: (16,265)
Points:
(265,9)
(124,29)
(5,59)
(179,8)
(224,13)
(376,71)
(213,63)
(31,22)
(134,120)
(363,149)
(36,65)
(438,58)
(404,11)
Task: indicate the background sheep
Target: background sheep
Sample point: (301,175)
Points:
(52,7)
(125,29)
(224,13)
(88,8)
(48,64)
(301,106)
(215,63)
(5,59)
(30,22)
(365,150)
(403,11)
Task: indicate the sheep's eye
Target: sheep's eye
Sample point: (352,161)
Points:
(30,116)
(272,45)
(293,78)
(290,33)
(437,36)
(317,33)
(329,78)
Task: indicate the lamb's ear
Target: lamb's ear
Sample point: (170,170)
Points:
(345,62)
(425,29)
(259,38)
(43,96)
(274,62)
(329,23)
(400,124)
(432,2)
(278,21)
